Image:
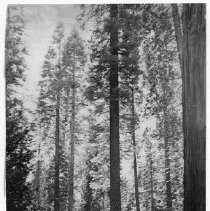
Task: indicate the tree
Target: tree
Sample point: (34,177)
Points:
(58,36)
(57,112)
(194,105)
(148,181)
(134,34)
(115,198)
(49,104)
(18,136)
(134,154)
(104,77)
(164,79)
(87,190)
(129,77)
(17,159)
(126,69)
(92,199)
(73,61)
(178,30)
(37,183)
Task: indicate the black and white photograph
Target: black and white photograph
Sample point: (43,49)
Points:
(105,107)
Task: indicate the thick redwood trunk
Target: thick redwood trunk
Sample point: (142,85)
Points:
(72,143)
(115,197)
(194,105)
(134,154)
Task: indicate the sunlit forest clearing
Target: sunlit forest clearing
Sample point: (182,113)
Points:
(105,107)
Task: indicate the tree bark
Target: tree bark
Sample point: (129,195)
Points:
(134,152)
(72,145)
(194,105)
(115,197)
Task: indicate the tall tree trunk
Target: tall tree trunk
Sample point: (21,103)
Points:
(72,143)
(57,153)
(115,197)
(167,166)
(194,105)
(134,152)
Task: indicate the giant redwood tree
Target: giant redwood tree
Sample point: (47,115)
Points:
(194,105)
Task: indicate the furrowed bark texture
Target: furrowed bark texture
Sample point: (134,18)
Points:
(115,197)
(194,106)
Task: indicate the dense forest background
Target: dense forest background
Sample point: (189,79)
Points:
(119,122)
